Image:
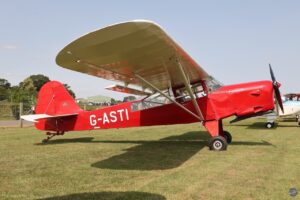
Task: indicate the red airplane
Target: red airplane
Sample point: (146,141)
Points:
(178,91)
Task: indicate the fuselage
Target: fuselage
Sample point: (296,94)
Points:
(240,100)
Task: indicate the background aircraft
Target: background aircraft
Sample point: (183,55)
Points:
(291,105)
(140,54)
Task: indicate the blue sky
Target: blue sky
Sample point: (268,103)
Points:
(232,40)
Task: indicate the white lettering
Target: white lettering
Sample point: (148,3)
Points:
(113,117)
(93,120)
(105,118)
(126,112)
(120,113)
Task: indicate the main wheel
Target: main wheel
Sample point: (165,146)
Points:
(270,124)
(227,136)
(218,143)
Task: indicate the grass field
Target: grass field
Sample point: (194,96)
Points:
(161,162)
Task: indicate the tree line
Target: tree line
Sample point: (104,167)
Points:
(26,91)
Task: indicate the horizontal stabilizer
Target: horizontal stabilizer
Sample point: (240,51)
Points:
(127,90)
(36,117)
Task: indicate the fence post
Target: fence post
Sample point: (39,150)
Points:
(21,113)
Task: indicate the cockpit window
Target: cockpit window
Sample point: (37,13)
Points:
(212,84)
(149,102)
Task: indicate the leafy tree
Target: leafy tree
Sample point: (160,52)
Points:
(3,93)
(113,101)
(129,98)
(34,82)
(68,88)
(4,89)
(18,94)
(4,83)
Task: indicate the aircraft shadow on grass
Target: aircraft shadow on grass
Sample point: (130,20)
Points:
(69,140)
(261,125)
(166,153)
(108,195)
(255,125)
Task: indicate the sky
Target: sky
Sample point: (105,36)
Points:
(232,40)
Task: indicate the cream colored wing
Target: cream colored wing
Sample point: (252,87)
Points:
(121,51)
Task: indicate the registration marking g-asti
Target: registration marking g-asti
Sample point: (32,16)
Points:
(109,117)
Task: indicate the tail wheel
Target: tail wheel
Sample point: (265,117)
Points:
(44,141)
(227,136)
(218,143)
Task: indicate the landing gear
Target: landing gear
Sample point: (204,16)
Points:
(270,124)
(227,136)
(218,143)
(44,141)
(219,138)
(51,135)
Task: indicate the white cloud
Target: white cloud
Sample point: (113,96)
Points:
(9,47)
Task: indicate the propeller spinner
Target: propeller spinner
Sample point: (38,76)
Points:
(276,86)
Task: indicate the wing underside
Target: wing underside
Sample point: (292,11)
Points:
(127,90)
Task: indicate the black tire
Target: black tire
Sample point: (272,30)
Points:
(269,125)
(218,143)
(227,136)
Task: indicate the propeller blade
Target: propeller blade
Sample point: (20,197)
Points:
(272,74)
(276,86)
(278,98)
(276,105)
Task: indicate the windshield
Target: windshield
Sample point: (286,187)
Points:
(212,84)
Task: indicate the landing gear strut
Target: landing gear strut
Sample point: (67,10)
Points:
(51,135)
(220,139)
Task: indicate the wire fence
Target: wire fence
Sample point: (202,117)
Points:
(13,111)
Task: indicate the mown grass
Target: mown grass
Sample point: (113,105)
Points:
(161,162)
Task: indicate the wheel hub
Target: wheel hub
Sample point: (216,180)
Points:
(217,145)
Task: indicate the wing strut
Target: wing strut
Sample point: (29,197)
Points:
(163,94)
(189,89)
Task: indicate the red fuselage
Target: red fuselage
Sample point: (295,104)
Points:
(244,99)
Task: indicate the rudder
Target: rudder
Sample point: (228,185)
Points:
(54,99)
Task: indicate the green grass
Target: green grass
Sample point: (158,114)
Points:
(161,162)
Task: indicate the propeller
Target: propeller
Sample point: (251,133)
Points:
(276,86)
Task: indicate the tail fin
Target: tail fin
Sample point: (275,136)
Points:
(54,99)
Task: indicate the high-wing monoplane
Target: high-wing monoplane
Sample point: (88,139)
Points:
(145,60)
